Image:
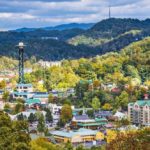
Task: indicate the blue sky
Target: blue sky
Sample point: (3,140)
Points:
(40,13)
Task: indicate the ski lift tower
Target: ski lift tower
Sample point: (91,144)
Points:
(20,47)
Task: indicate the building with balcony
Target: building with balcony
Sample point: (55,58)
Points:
(24,91)
(139,112)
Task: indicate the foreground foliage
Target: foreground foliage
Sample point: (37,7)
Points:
(13,134)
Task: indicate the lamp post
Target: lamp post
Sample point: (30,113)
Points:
(21,61)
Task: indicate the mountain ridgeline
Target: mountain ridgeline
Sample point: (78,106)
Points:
(63,42)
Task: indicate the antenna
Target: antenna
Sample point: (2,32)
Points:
(109,11)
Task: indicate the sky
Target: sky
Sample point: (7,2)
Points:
(43,13)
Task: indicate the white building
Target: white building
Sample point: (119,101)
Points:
(55,109)
(24,91)
(49,63)
(139,112)
(24,88)
(120,115)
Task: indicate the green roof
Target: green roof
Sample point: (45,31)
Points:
(92,124)
(143,102)
(100,119)
(32,101)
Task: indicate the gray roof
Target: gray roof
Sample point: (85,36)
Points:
(70,134)
(81,117)
(104,113)
(25,85)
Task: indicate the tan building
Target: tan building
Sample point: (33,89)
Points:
(139,112)
(80,136)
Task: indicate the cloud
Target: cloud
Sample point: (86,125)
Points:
(36,13)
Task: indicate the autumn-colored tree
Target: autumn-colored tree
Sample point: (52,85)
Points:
(3,84)
(51,98)
(111,135)
(132,140)
(6,96)
(107,106)
(43,144)
(66,113)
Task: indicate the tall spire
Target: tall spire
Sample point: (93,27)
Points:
(109,11)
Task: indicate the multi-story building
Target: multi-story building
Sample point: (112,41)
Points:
(23,91)
(139,112)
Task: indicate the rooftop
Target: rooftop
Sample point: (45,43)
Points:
(41,95)
(92,124)
(21,93)
(32,101)
(24,85)
(81,117)
(70,134)
(143,102)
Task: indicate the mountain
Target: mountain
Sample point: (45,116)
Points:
(105,36)
(83,26)
(112,29)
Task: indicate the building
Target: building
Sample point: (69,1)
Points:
(83,121)
(103,114)
(120,115)
(55,109)
(79,136)
(24,88)
(42,96)
(31,102)
(24,91)
(49,63)
(26,114)
(139,112)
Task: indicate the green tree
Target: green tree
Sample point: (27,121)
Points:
(32,117)
(90,113)
(13,134)
(41,124)
(3,84)
(6,96)
(18,108)
(51,98)
(6,107)
(20,117)
(66,113)
(48,116)
(122,100)
(96,103)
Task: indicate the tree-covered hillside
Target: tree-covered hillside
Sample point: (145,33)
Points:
(128,71)
(105,36)
(113,34)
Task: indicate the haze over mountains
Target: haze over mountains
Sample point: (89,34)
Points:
(83,26)
(75,40)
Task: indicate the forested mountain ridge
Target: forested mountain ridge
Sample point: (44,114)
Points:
(105,36)
(62,27)
(113,29)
